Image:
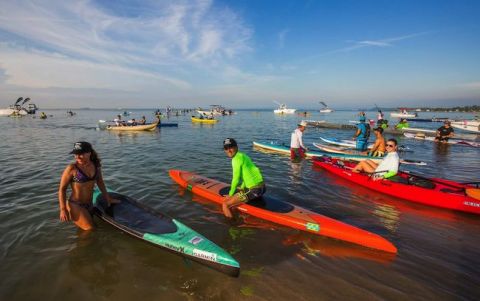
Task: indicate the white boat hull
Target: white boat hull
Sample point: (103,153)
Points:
(403,115)
(285,111)
(6,112)
(470,126)
(326,111)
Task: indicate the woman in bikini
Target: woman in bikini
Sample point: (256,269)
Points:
(81,176)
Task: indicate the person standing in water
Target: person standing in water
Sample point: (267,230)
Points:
(297,149)
(81,176)
(362,134)
(244,171)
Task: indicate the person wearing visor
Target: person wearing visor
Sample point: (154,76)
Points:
(387,168)
(81,176)
(444,132)
(244,171)
(297,149)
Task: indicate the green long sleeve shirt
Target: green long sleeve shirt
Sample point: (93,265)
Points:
(244,170)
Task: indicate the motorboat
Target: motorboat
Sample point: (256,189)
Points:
(282,109)
(325,109)
(467,125)
(403,113)
(18,109)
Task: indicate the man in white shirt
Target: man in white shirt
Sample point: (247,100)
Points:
(297,149)
(387,168)
(118,121)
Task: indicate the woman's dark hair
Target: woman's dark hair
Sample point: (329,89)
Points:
(95,159)
(394,141)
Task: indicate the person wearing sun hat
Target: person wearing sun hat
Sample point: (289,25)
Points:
(244,170)
(81,176)
(362,134)
(297,148)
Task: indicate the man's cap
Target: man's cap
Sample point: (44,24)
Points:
(362,118)
(81,147)
(302,123)
(380,129)
(229,142)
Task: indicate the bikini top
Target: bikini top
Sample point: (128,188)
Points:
(81,177)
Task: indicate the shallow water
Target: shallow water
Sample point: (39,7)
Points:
(42,258)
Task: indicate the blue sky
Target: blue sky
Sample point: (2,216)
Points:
(241,54)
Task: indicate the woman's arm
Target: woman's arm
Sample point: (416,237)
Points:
(62,193)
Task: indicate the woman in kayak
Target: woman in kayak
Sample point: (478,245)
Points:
(387,168)
(378,148)
(81,176)
(244,170)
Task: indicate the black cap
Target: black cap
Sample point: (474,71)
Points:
(380,129)
(229,142)
(81,147)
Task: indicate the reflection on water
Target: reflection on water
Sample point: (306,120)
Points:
(45,259)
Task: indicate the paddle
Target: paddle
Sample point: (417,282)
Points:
(471,192)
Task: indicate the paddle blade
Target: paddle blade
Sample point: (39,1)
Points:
(473,193)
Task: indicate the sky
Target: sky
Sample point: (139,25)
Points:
(241,53)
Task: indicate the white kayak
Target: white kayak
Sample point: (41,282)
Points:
(450,141)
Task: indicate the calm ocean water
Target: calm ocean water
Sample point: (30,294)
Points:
(43,259)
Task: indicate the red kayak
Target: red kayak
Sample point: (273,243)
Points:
(283,213)
(428,191)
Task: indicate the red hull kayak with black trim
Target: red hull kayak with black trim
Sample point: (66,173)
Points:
(414,188)
(283,213)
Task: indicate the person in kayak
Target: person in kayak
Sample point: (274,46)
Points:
(297,149)
(142,121)
(362,134)
(82,177)
(252,186)
(444,132)
(378,148)
(118,121)
(403,124)
(387,168)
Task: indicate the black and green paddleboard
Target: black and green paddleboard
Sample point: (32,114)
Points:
(154,227)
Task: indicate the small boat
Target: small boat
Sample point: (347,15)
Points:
(325,109)
(450,141)
(414,188)
(128,128)
(467,125)
(204,120)
(403,113)
(282,109)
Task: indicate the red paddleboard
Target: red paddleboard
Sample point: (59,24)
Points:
(283,213)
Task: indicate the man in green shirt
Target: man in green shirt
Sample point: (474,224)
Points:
(244,171)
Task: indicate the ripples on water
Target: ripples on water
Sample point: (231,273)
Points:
(42,258)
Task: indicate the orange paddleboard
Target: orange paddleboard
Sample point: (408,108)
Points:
(283,213)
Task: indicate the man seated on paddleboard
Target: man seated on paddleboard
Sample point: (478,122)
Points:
(387,168)
(81,176)
(378,148)
(244,171)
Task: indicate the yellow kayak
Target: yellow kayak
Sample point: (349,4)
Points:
(146,127)
(195,119)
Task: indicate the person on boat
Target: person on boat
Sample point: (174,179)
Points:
(379,116)
(118,121)
(142,121)
(132,122)
(444,132)
(378,149)
(43,115)
(244,171)
(297,148)
(403,124)
(362,134)
(387,168)
(81,176)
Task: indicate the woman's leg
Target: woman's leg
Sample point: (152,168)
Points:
(80,216)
